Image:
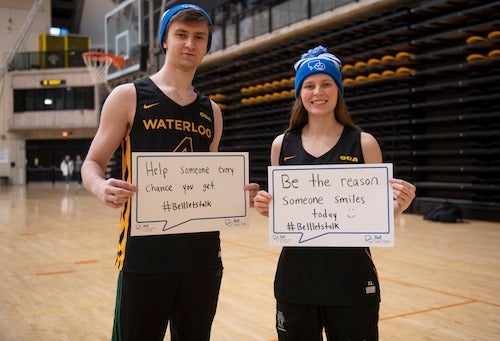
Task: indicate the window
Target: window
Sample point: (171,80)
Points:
(69,98)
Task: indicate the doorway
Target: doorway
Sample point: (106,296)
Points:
(44,157)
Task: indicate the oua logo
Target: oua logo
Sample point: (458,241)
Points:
(349,158)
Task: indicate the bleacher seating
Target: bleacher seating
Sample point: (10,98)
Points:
(423,77)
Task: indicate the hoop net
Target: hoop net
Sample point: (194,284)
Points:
(98,64)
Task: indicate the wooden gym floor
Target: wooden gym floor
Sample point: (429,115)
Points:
(57,249)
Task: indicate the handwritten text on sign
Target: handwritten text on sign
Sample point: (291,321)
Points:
(188,192)
(331,205)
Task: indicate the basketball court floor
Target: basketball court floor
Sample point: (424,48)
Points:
(57,249)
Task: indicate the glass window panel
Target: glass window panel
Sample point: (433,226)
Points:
(19,100)
(83,98)
(39,97)
(246,28)
(217,39)
(54,99)
(279,15)
(261,22)
(320,6)
(297,10)
(59,98)
(230,33)
(69,99)
(48,99)
(29,100)
(288,12)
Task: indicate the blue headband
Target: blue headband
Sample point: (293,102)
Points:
(169,13)
(317,60)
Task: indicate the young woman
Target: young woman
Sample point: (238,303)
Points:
(331,288)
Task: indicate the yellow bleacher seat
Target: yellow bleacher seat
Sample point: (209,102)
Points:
(388,73)
(494,53)
(360,64)
(387,58)
(474,39)
(404,71)
(493,35)
(404,55)
(475,57)
(347,67)
(374,75)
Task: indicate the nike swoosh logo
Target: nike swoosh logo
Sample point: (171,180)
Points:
(286,158)
(147,106)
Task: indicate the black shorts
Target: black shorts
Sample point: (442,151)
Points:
(146,303)
(305,322)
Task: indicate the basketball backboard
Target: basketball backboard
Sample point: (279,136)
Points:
(123,36)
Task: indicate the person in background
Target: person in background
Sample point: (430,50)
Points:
(172,278)
(67,167)
(78,169)
(335,289)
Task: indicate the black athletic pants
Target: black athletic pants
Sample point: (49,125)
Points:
(304,322)
(145,303)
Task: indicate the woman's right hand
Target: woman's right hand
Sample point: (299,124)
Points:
(261,202)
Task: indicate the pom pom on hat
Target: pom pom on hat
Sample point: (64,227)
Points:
(169,13)
(317,60)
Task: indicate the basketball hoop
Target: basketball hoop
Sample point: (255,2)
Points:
(98,64)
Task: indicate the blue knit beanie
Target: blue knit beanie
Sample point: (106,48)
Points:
(317,60)
(169,13)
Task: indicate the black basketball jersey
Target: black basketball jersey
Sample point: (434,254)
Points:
(161,125)
(325,275)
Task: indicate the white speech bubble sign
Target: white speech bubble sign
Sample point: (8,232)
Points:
(188,192)
(331,205)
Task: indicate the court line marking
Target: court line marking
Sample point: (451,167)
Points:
(468,299)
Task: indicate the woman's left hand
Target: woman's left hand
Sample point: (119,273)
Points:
(403,194)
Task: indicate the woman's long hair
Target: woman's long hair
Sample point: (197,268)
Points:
(299,116)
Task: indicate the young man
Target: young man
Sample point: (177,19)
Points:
(163,278)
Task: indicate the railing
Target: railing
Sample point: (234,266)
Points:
(240,21)
(47,60)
